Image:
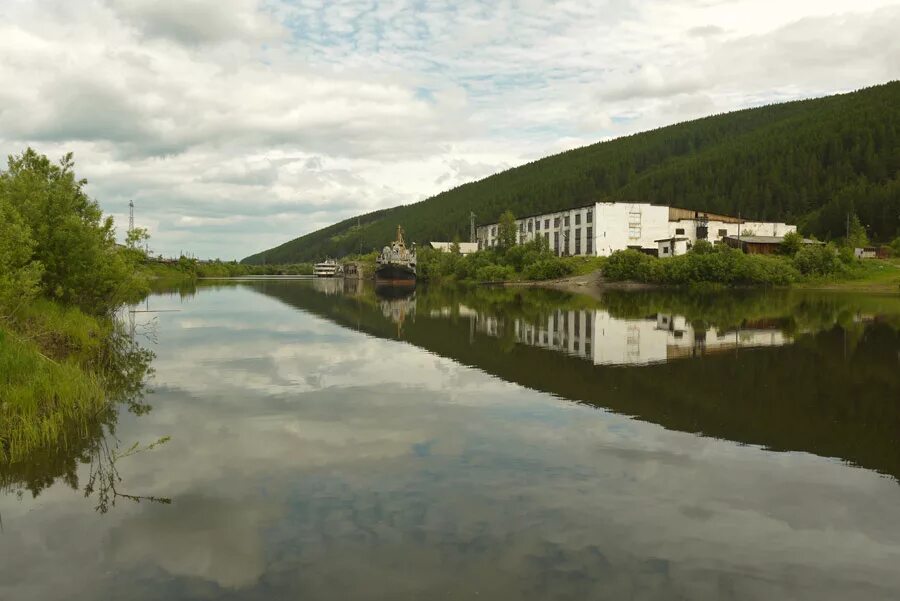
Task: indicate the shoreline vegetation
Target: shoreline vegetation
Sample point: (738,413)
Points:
(65,357)
(826,266)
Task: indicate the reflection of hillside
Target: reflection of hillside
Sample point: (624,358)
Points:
(832,392)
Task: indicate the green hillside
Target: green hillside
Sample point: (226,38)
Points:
(808,162)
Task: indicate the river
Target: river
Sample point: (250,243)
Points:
(319,439)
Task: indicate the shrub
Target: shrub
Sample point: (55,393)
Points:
(494,273)
(791,243)
(629,265)
(817,260)
(547,269)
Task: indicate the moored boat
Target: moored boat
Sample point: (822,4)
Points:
(396,265)
(328,268)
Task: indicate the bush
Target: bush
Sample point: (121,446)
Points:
(817,260)
(791,244)
(547,269)
(19,275)
(494,273)
(630,265)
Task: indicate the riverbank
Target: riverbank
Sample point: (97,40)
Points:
(60,369)
(880,276)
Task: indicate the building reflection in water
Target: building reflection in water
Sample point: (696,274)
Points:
(598,337)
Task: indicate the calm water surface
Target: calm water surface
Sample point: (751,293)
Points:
(328,441)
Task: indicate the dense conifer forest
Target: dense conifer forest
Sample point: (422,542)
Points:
(809,162)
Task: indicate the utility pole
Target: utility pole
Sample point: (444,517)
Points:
(130,216)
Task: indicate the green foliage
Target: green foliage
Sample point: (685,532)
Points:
(791,244)
(506,230)
(720,265)
(811,161)
(857,237)
(19,275)
(547,268)
(818,260)
(532,261)
(72,245)
(630,265)
(60,370)
(895,246)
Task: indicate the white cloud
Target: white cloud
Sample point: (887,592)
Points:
(218,115)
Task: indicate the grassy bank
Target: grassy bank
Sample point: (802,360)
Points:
(63,358)
(60,369)
(810,265)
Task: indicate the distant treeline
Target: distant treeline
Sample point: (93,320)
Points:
(192,268)
(809,162)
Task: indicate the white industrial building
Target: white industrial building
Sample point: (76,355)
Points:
(602,228)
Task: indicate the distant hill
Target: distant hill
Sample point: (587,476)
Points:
(808,162)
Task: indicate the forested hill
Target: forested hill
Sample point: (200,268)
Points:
(808,162)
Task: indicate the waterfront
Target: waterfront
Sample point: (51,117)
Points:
(328,442)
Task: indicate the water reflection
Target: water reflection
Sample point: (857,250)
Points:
(786,370)
(90,440)
(319,451)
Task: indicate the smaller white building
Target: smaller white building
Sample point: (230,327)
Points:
(674,246)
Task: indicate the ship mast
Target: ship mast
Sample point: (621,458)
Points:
(400,236)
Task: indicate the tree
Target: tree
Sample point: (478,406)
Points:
(791,244)
(857,236)
(137,237)
(72,240)
(19,276)
(506,230)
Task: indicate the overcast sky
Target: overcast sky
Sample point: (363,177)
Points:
(236,125)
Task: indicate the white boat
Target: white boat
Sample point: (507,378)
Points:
(328,268)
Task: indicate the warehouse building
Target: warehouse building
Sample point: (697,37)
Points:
(601,228)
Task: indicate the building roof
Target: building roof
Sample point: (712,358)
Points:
(675,213)
(767,239)
(672,239)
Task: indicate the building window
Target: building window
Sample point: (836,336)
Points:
(723,233)
(634,232)
(679,230)
(547,238)
(556,242)
(522,227)
(577,218)
(556,222)
(589,217)
(566,221)
(546,224)
(494,230)
(590,240)
(530,226)
(577,241)
(666,250)
(537,225)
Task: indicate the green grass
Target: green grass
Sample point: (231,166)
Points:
(871,275)
(44,402)
(584,265)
